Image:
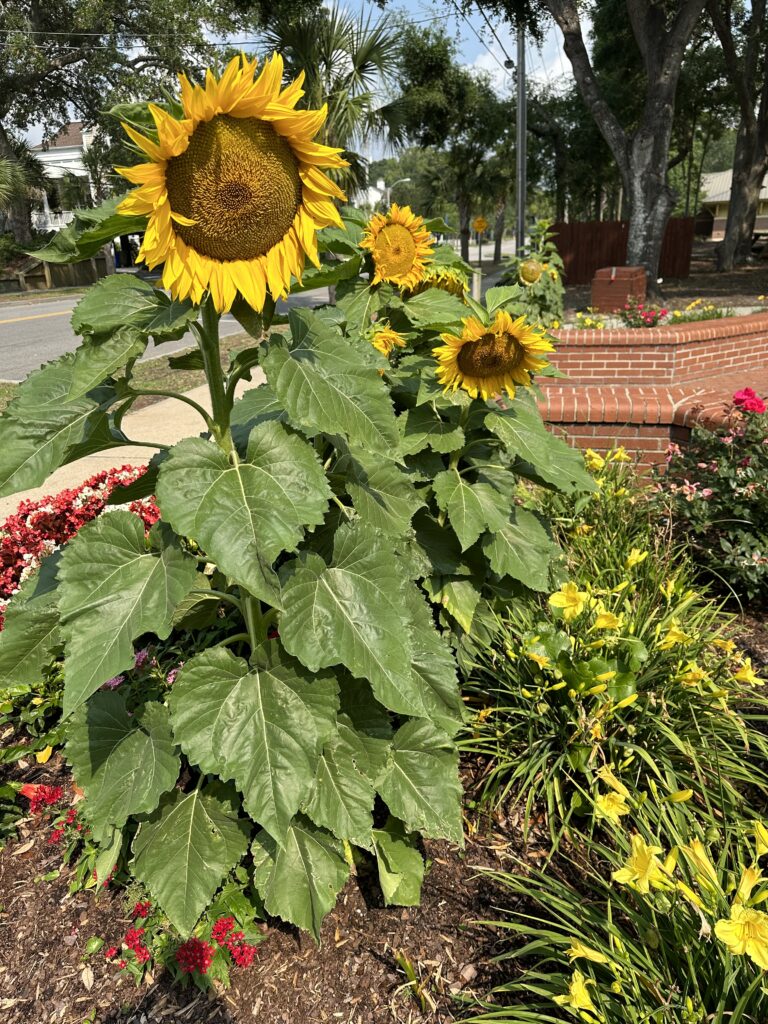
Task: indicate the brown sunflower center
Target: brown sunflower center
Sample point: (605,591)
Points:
(239,180)
(394,251)
(490,356)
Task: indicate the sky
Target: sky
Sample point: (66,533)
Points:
(480,46)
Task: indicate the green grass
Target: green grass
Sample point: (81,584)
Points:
(156,374)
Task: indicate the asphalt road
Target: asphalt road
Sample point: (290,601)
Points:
(34,331)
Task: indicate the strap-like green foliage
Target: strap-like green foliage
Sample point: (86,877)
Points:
(325,545)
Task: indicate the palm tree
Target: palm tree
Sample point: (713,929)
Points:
(350,63)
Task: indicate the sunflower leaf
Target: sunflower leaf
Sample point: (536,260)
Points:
(327,388)
(423,427)
(435,310)
(88,231)
(124,300)
(341,798)
(521,548)
(381,492)
(471,508)
(401,866)
(97,359)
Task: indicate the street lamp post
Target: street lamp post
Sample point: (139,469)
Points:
(388,189)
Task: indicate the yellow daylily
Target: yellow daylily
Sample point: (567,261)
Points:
(725,645)
(578,997)
(538,659)
(698,855)
(747,674)
(745,933)
(607,620)
(673,635)
(620,454)
(594,461)
(570,600)
(761,839)
(578,950)
(750,877)
(635,557)
(643,869)
(667,588)
(611,806)
(692,675)
(605,774)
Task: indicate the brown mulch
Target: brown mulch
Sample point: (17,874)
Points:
(353,978)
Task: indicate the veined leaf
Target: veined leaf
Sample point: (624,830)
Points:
(258,405)
(123,762)
(41,425)
(498,298)
(31,628)
(420,782)
(255,725)
(328,273)
(423,427)
(381,492)
(88,232)
(522,548)
(185,849)
(342,793)
(371,721)
(471,508)
(327,385)
(113,588)
(299,881)
(401,867)
(244,514)
(457,594)
(522,432)
(433,663)
(124,300)
(95,360)
(351,613)
(435,310)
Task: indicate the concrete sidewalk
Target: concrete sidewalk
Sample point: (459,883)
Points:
(166,422)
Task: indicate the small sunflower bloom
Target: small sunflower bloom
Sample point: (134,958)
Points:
(745,933)
(233,191)
(400,246)
(578,998)
(643,870)
(611,807)
(446,279)
(384,340)
(489,360)
(570,600)
(530,271)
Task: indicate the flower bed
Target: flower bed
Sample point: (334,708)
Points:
(39,527)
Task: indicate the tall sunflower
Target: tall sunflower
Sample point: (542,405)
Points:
(489,360)
(400,246)
(233,189)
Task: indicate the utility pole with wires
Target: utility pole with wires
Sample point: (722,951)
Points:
(521,144)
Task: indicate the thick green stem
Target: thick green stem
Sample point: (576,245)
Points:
(254,621)
(180,398)
(207,334)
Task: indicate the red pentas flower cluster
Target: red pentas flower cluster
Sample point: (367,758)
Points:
(748,400)
(195,955)
(41,796)
(38,527)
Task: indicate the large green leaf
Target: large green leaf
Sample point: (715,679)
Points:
(328,273)
(351,613)
(471,508)
(381,492)
(435,309)
(423,427)
(124,762)
(401,867)
(420,782)
(522,432)
(328,384)
(114,586)
(522,548)
(258,405)
(88,232)
(255,725)
(244,514)
(457,594)
(342,793)
(186,848)
(31,627)
(299,881)
(433,663)
(95,360)
(124,300)
(371,721)
(41,425)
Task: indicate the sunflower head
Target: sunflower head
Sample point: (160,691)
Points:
(530,271)
(384,339)
(488,360)
(447,279)
(233,190)
(400,246)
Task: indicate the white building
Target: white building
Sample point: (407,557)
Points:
(61,156)
(716,198)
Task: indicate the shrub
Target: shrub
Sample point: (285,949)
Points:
(540,270)
(637,314)
(714,495)
(667,925)
(345,522)
(623,676)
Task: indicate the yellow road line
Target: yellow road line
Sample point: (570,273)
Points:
(36,316)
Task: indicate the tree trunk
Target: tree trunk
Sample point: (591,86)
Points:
(749,169)
(464,204)
(19,213)
(498,227)
(651,201)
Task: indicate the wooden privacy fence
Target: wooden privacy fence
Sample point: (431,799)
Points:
(585,246)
